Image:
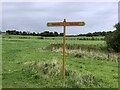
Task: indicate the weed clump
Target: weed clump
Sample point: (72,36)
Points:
(78,55)
(38,70)
(33,68)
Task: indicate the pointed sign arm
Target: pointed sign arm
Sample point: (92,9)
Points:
(67,24)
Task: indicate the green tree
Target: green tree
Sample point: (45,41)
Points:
(61,34)
(113,39)
(55,33)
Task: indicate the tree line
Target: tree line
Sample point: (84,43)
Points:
(45,33)
(54,34)
(96,34)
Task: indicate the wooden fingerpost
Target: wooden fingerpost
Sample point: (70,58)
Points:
(64,24)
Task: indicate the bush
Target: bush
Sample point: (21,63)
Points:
(113,39)
(40,38)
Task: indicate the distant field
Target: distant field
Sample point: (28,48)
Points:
(75,40)
(56,38)
(35,62)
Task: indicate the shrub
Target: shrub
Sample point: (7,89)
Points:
(24,37)
(113,39)
(40,38)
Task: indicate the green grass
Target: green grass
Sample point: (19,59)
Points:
(16,52)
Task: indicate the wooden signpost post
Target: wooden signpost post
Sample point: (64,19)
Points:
(64,24)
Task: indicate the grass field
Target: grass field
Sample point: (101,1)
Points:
(36,63)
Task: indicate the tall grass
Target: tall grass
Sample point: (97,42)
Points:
(99,53)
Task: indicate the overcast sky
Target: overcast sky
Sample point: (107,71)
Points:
(33,16)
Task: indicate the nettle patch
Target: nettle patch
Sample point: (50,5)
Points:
(37,70)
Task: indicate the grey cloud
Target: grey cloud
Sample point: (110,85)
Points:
(34,16)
